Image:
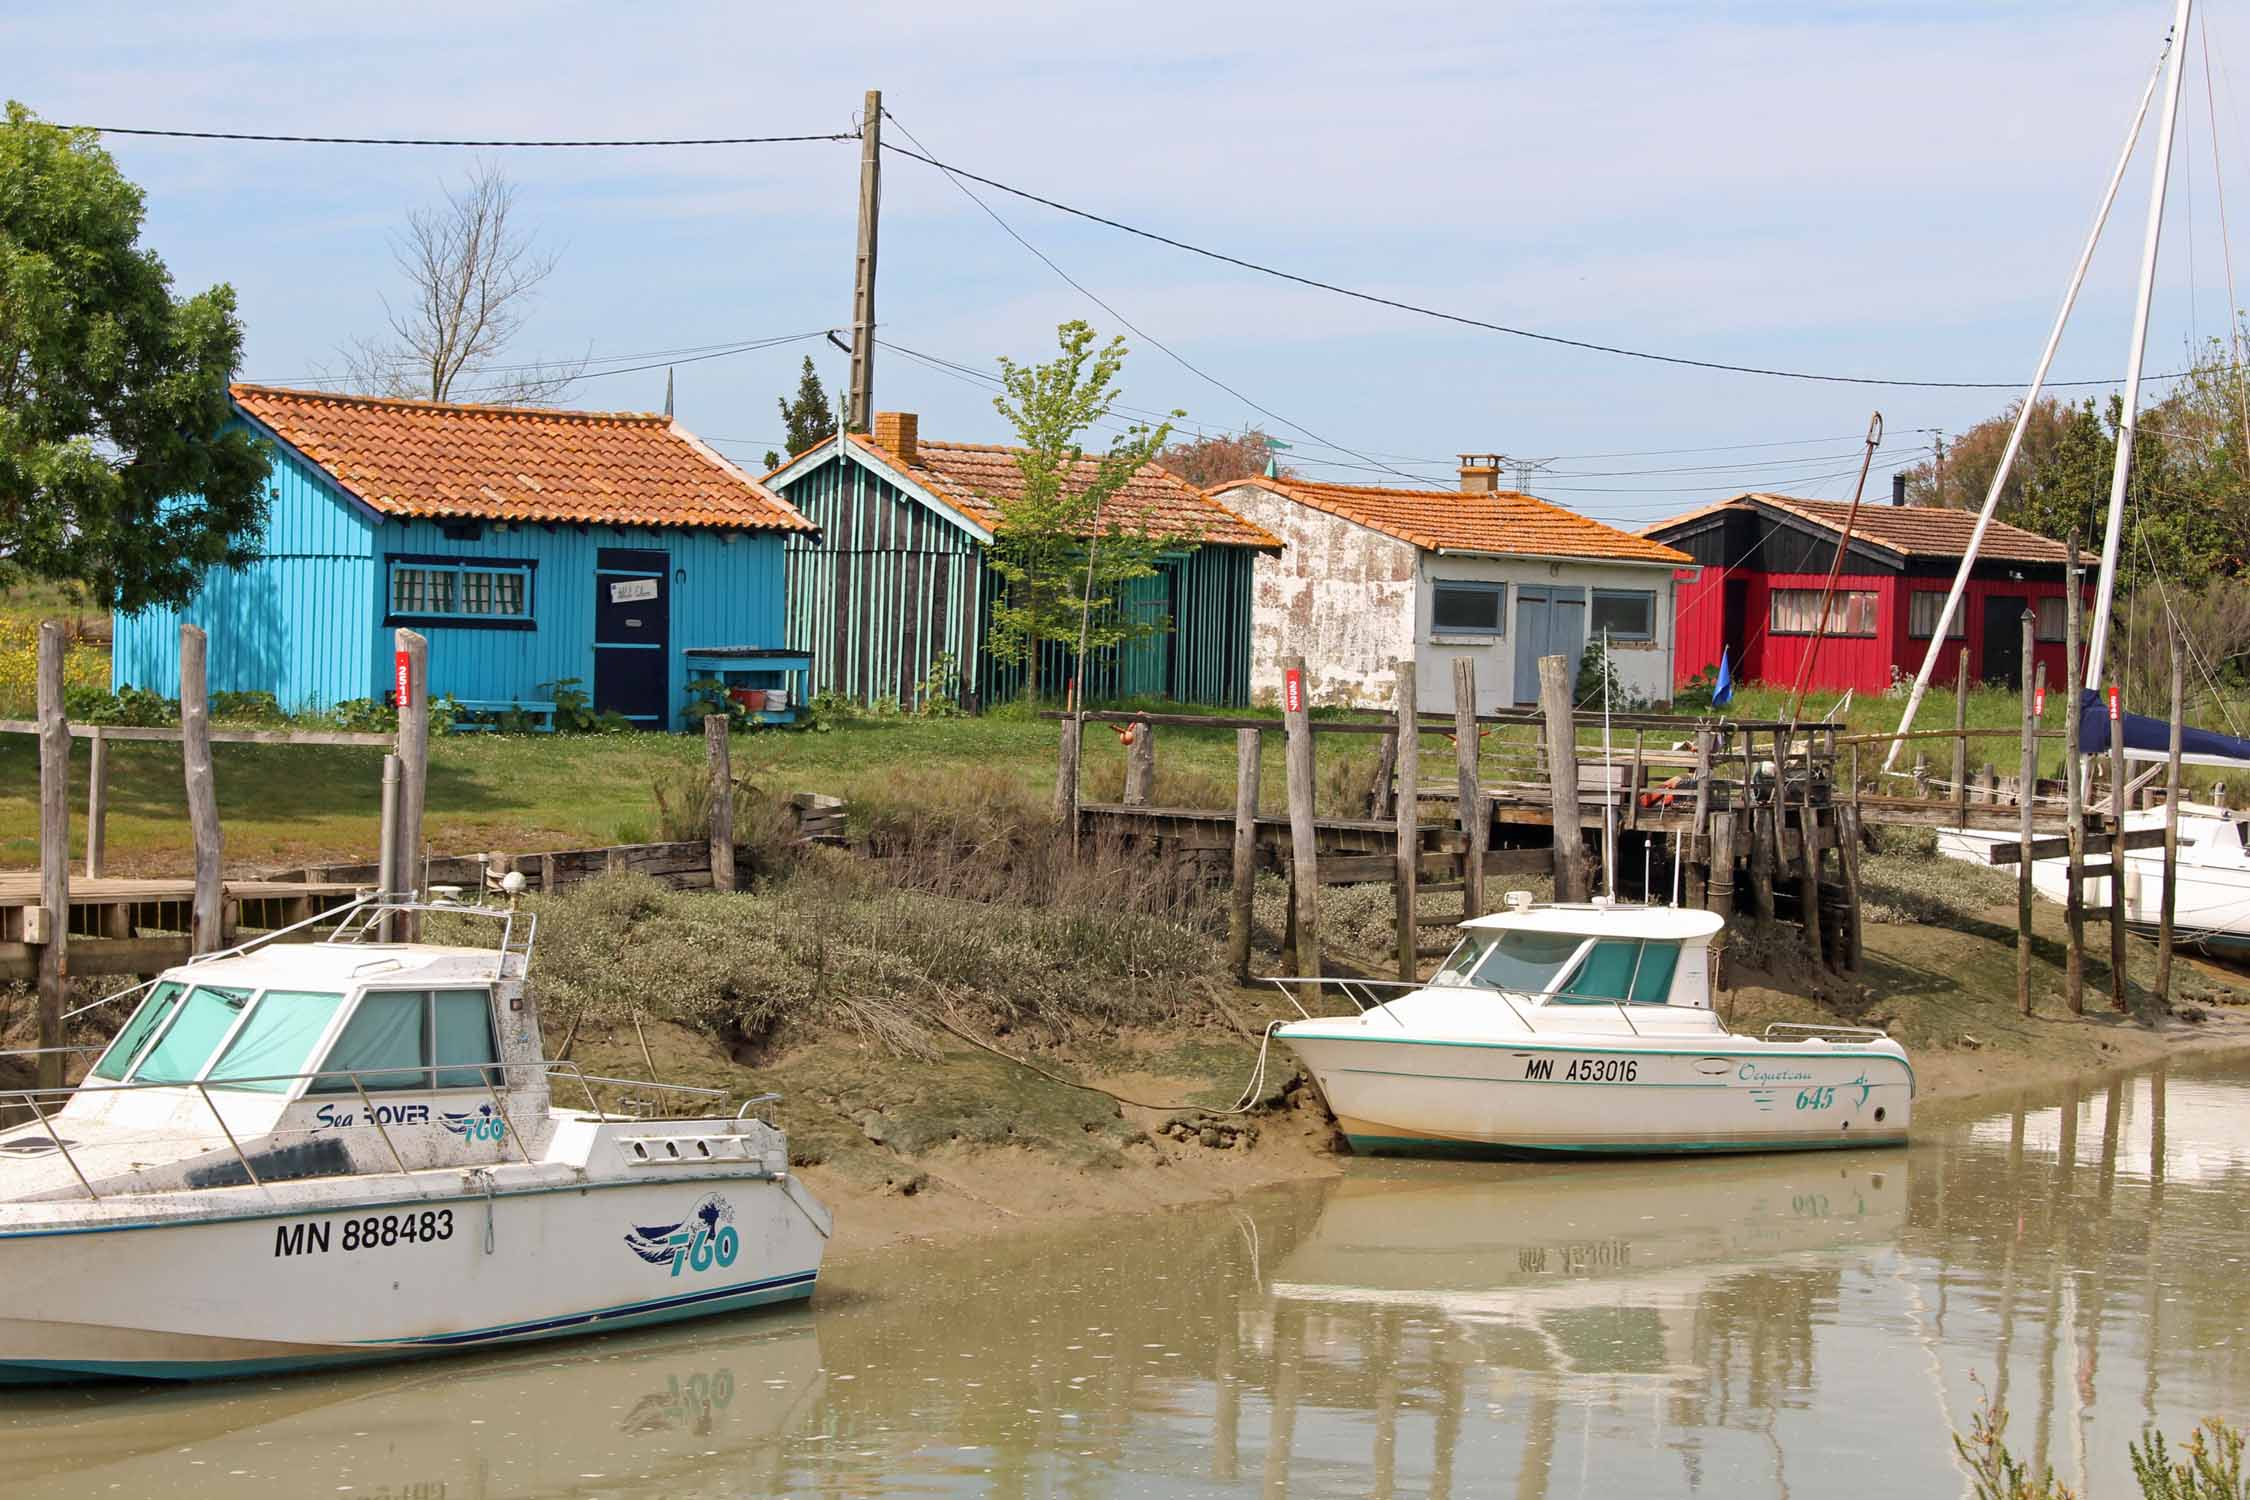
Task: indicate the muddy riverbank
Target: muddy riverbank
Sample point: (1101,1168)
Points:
(966,1143)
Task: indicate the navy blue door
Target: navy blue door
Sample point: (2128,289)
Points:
(632,633)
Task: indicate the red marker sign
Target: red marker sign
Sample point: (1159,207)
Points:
(2115,707)
(405,678)
(1293,691)
(2039,701)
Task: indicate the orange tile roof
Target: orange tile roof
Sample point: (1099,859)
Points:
(975,478)
(1451,520)
(517,463)
(1909,530)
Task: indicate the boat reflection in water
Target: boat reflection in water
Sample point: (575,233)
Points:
(652,1413)
(1577,1288)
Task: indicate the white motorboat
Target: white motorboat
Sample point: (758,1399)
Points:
(1588,1030)
(302,1154)
(2212,901)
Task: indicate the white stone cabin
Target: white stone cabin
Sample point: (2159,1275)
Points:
(1369,576)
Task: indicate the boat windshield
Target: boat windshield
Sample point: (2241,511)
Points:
(273,1043)
(1513,959)
(198,1025)
(134,1039)
(1622,969)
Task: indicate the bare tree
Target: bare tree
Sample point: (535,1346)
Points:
(1208,459)
(473,274)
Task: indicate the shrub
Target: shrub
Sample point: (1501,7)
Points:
(128,705)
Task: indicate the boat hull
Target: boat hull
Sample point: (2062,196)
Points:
(262,1291)
(1514,1099)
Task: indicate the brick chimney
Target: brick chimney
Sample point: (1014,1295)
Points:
(899,434)
(1480,473)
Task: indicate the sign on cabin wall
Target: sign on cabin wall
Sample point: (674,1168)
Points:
(632,590)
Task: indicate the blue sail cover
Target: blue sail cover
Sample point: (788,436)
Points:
(2151,739)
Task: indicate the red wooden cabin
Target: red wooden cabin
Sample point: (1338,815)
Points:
(1761,561)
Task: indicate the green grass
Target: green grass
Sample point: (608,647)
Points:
(282,805)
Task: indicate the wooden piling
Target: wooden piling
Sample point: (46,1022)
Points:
(1695,849)
(1961,740)
(1243,892)
(2117,933)
(1140,764)
(54,852)
(1066,771)
(1562,777)
(97,803)
(413,685)
(2027,781)
(1808,858)
(1847,861)
(1406,807)
(1719,860)
(2171,893)
(718,753)
(1303,840)
(206,930)
(1476,820)
(2074,804)
(1379,785)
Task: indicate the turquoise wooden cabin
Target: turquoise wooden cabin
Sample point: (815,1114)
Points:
(531,547)
(892,596)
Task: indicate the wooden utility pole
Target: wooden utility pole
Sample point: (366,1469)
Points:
(1407,809)
(2027,785)
(1562,777)
(2074,802)
(862,407)
(717,751)
(206,932)
(1476,823)
(54,852)
(1304,864)
(1246,742)
(2170,910)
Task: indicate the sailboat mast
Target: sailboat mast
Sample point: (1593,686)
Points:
(2097,647)
(2024,413)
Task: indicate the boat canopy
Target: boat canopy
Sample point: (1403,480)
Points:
(1605,920)
(2147,738)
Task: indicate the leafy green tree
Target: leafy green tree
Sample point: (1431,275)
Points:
(1062,553)
(120,466)
(808,419)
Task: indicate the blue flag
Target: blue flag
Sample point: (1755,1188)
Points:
(1723,694)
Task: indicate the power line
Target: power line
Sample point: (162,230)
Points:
(1174,355)
(1472,322)
(395,140)
(658,359)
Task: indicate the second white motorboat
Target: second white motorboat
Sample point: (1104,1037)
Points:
(1566,1030)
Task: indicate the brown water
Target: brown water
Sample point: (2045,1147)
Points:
(1756,1326)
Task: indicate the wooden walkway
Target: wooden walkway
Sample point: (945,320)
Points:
(120,926)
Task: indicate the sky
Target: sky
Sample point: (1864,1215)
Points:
(1894,190)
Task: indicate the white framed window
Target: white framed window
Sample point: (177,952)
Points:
(1851,612)
(459,592)
(1468,607)
(1626,614)
(1924,606)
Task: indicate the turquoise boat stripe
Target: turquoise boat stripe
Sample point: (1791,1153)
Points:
(617,1320)
(1534,1046)
(1424,1146)
(315,1211)
(679,1301)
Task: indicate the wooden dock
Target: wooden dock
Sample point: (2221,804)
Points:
(141,926)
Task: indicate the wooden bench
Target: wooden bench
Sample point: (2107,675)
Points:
(542,714)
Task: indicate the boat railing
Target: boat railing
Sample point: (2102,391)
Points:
(1806,1031)
(1347,985)
(494,1074)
